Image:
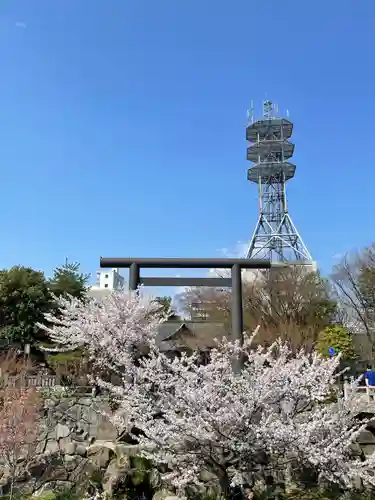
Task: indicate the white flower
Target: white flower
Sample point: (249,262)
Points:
(274,415)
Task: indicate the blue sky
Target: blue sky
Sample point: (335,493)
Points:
(122,125)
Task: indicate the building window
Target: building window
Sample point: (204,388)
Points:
(106,276)
(106,285)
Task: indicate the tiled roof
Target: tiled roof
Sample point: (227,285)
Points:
(168,329)
(191,334)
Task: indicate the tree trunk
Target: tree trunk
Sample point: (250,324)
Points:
(224,484)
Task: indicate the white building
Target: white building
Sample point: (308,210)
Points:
(107,280)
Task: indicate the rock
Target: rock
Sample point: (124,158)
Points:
(366,437)
(207,476)
(368,449)
(41,446)
(99,457)
(114,474)
(58,473)
(77,437)
(51,447)
(53,486)
(71,463)
(47,468)
(106,432)
(20,490)
(81,450)
(130,450)
(164,495)
(69,459)
(155,479)
(68,447)
(62,431)
(37,468)
(61,454)
(358,485)
(356,449)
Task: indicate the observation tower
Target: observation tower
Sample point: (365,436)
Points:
(275,236)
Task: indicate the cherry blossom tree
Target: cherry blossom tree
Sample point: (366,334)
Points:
(113,331)
(276,417)
(19,417)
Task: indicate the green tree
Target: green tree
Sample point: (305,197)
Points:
(24,298)
(338,337)
(68,280)
(165,304)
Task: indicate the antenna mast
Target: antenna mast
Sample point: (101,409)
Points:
(275,236)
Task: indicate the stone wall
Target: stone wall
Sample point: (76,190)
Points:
(60,457)
(366,440)
(73,442)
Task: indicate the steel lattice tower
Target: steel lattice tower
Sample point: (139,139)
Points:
(275,236)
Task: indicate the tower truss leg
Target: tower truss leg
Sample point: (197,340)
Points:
(275,236)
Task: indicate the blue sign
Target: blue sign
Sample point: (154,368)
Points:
(331,351)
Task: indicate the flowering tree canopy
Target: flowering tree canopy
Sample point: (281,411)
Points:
(114,330)
(275,416)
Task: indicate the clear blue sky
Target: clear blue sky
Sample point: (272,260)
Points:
(122,124)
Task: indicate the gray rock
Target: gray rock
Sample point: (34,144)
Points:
(70,448)
(130,450)
(41,446)
(164,495)
(57,473)
(207,476)
(155,479)
(72,463)
(61,455)
(69,459)
(368,449)
(81,450)
(53,486)
(100,458)
(356,449)
(77,437)
(114,474)
(51,447)
(366,437)
(106,432)
(358,485)
(38,467)
(62,431)
(64,444)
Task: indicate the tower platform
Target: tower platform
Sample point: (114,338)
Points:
(275,236)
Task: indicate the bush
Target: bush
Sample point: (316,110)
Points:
(339,338)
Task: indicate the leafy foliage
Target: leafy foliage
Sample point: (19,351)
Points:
(24,298)
(126,323)
(164,305)
(68,280)
(338,337)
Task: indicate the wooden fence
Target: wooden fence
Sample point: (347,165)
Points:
(43,380)
(37,381)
